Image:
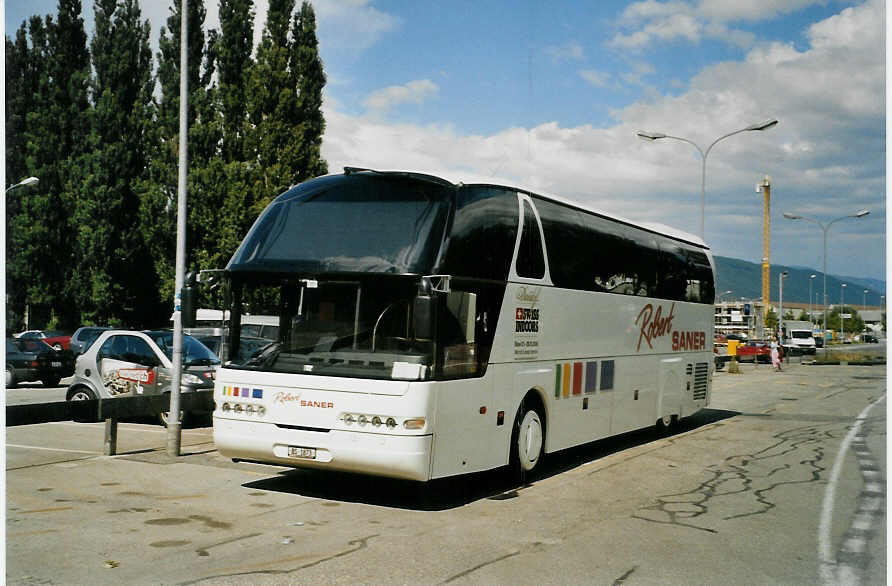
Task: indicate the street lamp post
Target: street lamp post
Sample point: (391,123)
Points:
(652,136)
(825,229)
(811,279)
(780,305)
(842,313)
(23,183)
(864,305)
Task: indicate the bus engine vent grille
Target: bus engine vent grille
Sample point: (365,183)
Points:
(701,380)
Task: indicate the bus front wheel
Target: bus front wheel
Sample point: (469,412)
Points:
(527,440)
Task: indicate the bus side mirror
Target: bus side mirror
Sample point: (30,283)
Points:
(189,293)
(425,312)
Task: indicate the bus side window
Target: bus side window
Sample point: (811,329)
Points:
(530,259)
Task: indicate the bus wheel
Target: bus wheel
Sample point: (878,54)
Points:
(527,441)
(666,424)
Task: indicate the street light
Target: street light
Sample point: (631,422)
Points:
(865,300)
(842,313)
(780,305)
(825,228)
(811,279)
(23,183)
(725,293)
(652,136)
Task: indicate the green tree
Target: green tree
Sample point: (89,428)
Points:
(233,54)
(50,129)
(158,192)
(306,67)
(853,324)
(771,320)
(272,106)
(115,276)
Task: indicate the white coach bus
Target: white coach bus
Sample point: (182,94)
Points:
(429,329)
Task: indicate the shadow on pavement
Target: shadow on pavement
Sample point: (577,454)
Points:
(449,493)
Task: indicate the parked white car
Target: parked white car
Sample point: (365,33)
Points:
(127,363)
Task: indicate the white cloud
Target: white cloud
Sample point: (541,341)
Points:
(650,21)
(413,92)
(595,77)
(571,51)
(826,157)
(351,24)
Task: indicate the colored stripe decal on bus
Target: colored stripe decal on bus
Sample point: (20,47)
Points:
(565,387)
(591,377)
(575,378)
(243,392)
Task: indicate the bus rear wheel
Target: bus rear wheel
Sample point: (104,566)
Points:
(527,441)
(667,424)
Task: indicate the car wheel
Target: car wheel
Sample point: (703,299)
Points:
(10,377)
(164,417)
(52,381)
(77,395)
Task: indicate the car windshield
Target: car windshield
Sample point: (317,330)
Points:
(194,352)
(801,334)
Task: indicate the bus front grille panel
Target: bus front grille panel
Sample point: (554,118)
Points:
(701,380)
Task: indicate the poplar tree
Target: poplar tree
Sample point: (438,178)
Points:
(116,280)
(158,192)
(309,76)
(234,61)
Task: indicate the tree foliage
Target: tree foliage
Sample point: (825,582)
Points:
(97,120)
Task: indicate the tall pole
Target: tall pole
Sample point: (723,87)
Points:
(174,425)
(765,186)
(825,229)
(842,313)
(811,279)
(780,306)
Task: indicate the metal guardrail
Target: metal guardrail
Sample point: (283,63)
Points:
(110,410)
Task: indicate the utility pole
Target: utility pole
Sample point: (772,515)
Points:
(174,425)
(765,188)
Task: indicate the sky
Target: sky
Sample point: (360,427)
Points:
(549,96)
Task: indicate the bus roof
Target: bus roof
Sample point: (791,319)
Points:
(655,227)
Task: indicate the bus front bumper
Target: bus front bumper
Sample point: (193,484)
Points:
(394,456)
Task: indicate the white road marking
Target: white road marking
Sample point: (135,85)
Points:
(24,447)
(825,555)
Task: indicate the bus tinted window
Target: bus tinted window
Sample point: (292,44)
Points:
(483,234)
(357,223)
(530,258)
(592,253)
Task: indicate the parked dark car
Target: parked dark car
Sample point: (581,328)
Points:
(83,337)
(32,359)
(57,340)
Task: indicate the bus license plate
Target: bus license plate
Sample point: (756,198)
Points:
(299,452)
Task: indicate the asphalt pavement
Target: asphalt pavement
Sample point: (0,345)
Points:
(74,516)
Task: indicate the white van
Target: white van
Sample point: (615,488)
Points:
(799,335)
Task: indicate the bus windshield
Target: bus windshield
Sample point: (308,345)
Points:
(354,223)
(377,327)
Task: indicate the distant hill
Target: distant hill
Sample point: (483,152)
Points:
(744,279)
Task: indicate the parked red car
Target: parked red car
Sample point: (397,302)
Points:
(58,340)
(752,351)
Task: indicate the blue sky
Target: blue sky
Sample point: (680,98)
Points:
(549,97)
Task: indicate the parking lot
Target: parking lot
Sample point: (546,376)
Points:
(781,480)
